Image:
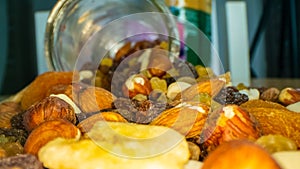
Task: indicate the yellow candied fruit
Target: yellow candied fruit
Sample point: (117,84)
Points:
(164,45)
(204,71)
(158,84)
(106,62)
(204,98)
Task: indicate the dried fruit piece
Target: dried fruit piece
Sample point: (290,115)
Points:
(37,89)
(230,95)
(123,145)
(21,161)
(158,84)
(123,51)
(187,118)
(275,143)
(139,111)
(204,72)
(239,154)
(227,123)
(48,131)
(176,89)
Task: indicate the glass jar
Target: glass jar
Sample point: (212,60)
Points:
(84,31)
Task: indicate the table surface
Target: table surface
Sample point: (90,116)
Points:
(279,83)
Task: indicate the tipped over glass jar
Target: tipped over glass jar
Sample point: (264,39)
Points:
(109,41)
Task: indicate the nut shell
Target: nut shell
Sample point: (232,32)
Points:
(48,131)
(187,118)
(49,108)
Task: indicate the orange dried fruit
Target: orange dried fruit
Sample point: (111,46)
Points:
(37,89)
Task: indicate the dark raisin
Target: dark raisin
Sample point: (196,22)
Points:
(231,95)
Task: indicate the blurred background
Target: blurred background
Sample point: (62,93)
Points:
(272,35)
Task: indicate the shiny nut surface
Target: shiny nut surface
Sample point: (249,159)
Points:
(48,131)
(227,123)
(187,118)
(49,108)
(136,84)
(289,96)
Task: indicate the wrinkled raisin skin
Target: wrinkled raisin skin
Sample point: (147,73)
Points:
(231,95)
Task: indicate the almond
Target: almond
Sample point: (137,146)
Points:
(187,118)
(228,123)
(211,87)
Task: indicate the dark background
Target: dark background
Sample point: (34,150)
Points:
(278,24)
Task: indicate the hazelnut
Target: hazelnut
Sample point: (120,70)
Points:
(289,95)
(49,108)
(136,84)
(270,94)
(48,131)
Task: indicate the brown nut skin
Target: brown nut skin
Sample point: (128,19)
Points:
(49,108)
(238,154)
(136,84)
(7,111)
(211,87)
(48,131)
(227,123)
(289,96)
(187,119)
(89,98)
